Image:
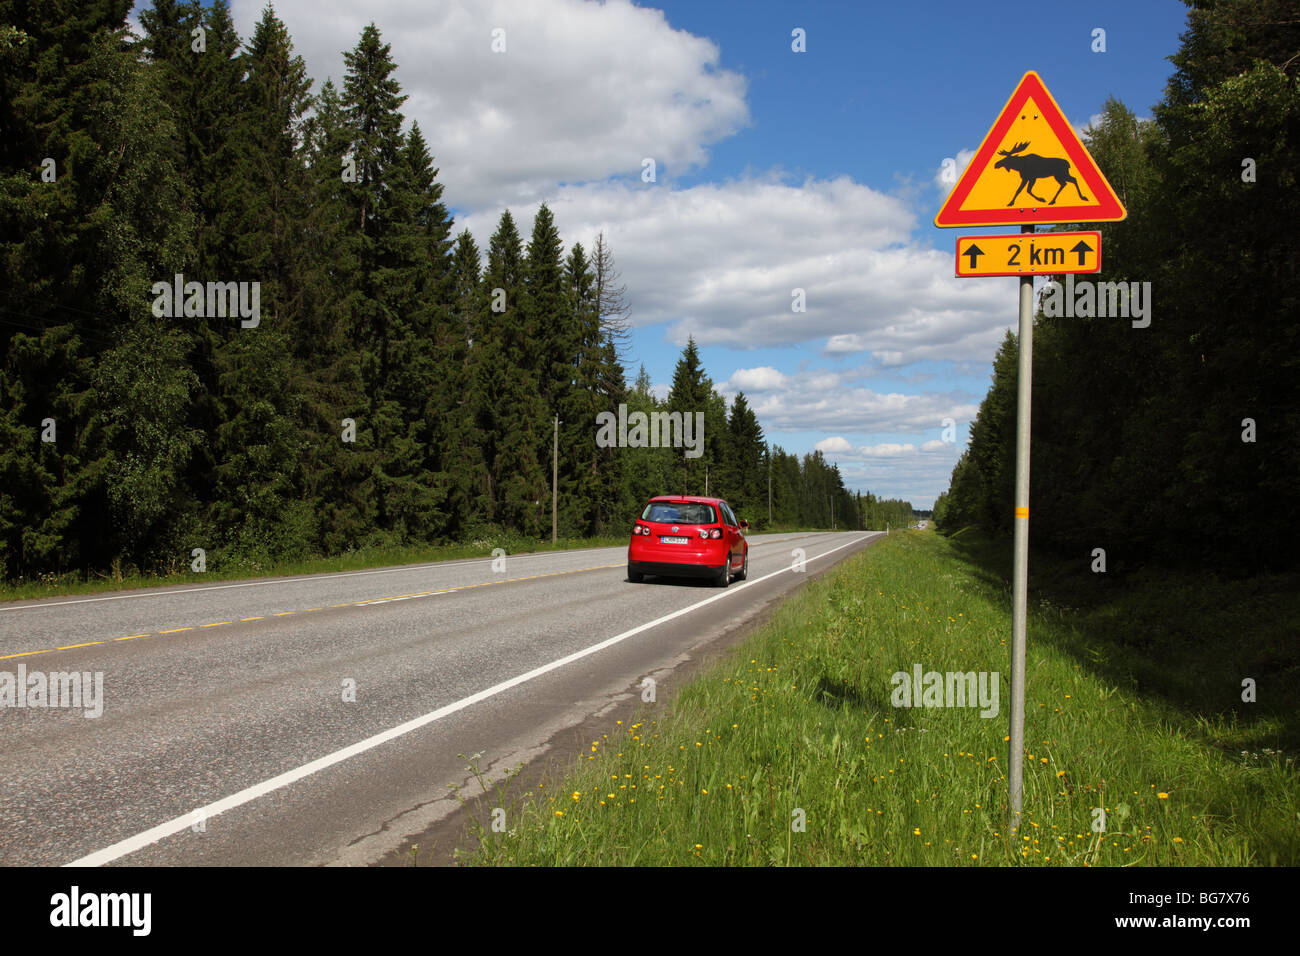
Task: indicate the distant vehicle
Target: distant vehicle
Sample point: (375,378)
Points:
(688,536)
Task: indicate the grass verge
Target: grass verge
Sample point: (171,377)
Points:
(230,569)
(790,751)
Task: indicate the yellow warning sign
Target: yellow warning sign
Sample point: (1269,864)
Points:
(1029,254)
(1031,168)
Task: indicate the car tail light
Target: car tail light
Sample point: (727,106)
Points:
(711,533)
(641,529)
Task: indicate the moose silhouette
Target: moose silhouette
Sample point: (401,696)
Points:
(1032,168)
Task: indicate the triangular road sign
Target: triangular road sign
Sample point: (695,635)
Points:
(1031,168)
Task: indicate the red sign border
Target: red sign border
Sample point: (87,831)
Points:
(1110,209)
(1025,235)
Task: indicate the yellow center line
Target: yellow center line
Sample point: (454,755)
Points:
(451,590)
(48,650)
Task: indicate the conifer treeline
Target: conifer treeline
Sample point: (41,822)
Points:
(398,384)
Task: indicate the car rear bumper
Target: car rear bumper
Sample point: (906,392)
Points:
(675,570)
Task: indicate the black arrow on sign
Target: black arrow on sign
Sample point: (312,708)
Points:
(974,252)
(1081,248)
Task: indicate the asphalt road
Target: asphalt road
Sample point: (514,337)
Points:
(227,736)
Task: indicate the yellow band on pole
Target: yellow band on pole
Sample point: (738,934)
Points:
(1022,513)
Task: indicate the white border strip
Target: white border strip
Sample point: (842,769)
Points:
(154,834)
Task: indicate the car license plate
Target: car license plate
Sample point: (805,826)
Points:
(669,539)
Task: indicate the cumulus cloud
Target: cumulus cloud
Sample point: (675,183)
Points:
(842,450)
(722,261)
(761,379)
(827,400)
(583,91)
(836,444)
(950,170)
(917,473)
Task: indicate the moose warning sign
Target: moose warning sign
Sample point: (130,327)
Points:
(1031,168)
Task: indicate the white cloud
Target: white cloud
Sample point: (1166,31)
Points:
(827,400)
(583,92)
(892,470)
(720,261)
(930,451)
(761,379)
(1083,129)
(836,444)
(952,167)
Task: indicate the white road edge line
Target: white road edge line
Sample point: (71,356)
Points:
(154,834)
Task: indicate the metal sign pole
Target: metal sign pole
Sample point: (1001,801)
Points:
(1020,567)
(1031,116)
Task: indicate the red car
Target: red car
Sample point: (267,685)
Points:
(688,536)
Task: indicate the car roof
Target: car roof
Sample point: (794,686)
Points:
(697,499)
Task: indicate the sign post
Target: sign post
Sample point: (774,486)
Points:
(1029,118)
(1020,560)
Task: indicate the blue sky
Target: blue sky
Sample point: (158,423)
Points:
(775,171)
(878,98)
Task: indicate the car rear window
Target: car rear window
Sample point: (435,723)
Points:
(682,512)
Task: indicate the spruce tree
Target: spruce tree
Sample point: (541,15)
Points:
(457,399)
(512,408)
(691,392)
(78,257)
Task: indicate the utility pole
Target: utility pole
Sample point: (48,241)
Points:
(555,477)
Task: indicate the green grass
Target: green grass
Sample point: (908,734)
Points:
(221,568)
(798,723)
